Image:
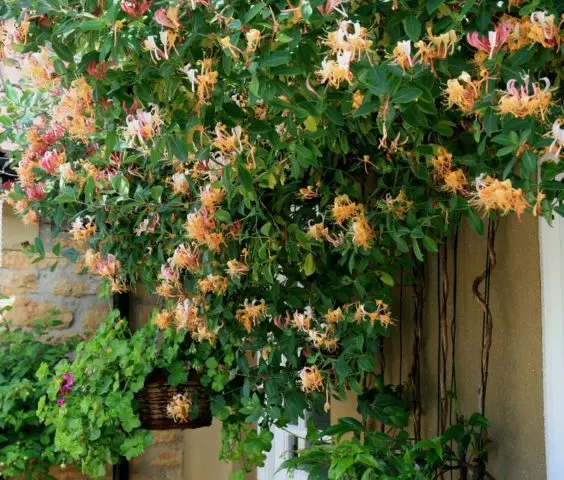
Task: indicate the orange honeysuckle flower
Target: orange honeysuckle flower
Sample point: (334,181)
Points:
(344,208)
(362,233)
(251,314)
(311,379)
(495,195)
(463,92)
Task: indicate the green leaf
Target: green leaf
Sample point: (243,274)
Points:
(177,373)
(254,11)
(246,178)
(432,5)
(275,59)
(111,140)
(178,148)
(475,221)
(385,278)
(309,265)
(367,363)
(156,193)
(62,50)
(417,250)
(412,27)
(407,95)
(430,244)
(306,10)
(223,216)
(528,164)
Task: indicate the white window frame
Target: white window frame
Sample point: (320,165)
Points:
(282,446)
(552,294)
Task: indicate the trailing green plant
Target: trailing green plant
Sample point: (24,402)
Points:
(90,401)
(268,168)
(26,445)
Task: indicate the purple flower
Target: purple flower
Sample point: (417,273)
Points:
(65,387)
(69,379)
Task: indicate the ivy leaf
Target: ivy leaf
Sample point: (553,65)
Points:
(412,27)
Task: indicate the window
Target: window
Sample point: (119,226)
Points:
(286,444)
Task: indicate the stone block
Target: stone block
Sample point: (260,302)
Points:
(166,436)
(167,458)
(70,287)
(25,311)
(17,283)
(93,315)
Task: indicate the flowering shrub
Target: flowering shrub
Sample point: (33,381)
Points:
(26,446)
(267,167)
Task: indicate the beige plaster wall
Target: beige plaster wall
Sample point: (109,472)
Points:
(514,396)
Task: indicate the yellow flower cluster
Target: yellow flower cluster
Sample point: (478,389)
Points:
(250,315)
(463,92)
(495,195)
(381,314)
(75,111)
(453,181)
(311,379)
(437,47)
(179,408)
(348,44)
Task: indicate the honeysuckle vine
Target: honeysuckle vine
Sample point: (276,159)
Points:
(268,168)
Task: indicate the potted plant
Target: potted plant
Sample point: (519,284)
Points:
(119,385)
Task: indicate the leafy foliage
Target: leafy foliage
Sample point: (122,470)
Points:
(268,169)
(26,446)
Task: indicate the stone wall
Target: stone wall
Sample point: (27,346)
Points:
(38,288)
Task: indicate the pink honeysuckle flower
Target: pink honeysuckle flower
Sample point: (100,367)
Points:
(54,133)
(333,5)
(493,42)
(130,110)
(51,160)
(136,8)
(97,69)
(151,45)
(36,192)
(168,18)
(143,125)
(60,401)
(169,274)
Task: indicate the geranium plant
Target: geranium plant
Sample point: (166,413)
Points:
(269,167)
(26,445)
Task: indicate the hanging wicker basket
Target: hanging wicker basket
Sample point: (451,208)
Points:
(155,396)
